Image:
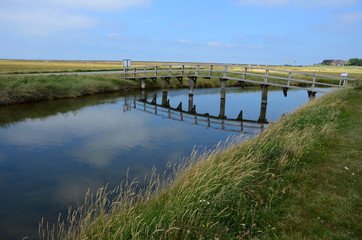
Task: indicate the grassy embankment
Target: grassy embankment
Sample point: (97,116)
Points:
(299,179)
(23,89)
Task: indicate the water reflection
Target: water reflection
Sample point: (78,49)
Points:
(220,122)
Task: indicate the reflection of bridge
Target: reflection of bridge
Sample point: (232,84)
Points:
(238,124)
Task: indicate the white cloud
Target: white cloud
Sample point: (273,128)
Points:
(252,47)
(150,20)
(184,41)
(264,2)
(43,17)
(350,18)
(300,3)
(220,44)
(97,5)
(37,22)
(344,22)
(214,44)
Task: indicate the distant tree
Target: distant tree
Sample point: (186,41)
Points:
(355,62)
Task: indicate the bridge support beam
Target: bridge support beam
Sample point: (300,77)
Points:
(143,96)
(311,95)
(165,100)
(264,102)
(192,83)
(165,83)
(143,83)
(154,100)
(242,84)
(222,108)
(191,107)
(222,97)
(223,87)
(285,91)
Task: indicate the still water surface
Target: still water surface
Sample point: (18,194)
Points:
(52,152)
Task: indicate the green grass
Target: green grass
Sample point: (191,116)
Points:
(260,189)
(23,89)
(326,199)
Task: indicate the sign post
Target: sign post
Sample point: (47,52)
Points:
(126,62)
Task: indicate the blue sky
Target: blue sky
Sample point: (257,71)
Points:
(230,31)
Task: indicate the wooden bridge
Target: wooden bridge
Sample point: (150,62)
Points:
(242,74)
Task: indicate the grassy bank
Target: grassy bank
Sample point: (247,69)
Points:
(260,189)
(24,89)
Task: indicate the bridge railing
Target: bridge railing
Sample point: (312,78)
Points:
(241,73)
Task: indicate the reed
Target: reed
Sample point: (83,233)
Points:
(235,191)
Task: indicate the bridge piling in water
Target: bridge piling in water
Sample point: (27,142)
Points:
(311,95)
(264,102)
(192,83)
(222,108)
(223,87)
(143,83)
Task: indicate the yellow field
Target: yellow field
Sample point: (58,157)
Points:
(30,66)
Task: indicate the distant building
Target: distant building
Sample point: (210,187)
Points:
(334,62)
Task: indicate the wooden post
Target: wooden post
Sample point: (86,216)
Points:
(264,93)
(264,102)
(266,75)
(240,116)
(143,83)
(156,71)
(134,72)
(290,77)
(165,82)
(223,87)
(154,100)
(285,91)
(170,71)
(191,103)
(145,71)
(192,82)
(311,95)
(222,108)
(164,98)
(225,71)
(244,74)
(314,80)
(211,68)
(197,70)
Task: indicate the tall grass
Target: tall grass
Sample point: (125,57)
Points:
(232,192)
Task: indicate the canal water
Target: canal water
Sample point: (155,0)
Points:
(51,153)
